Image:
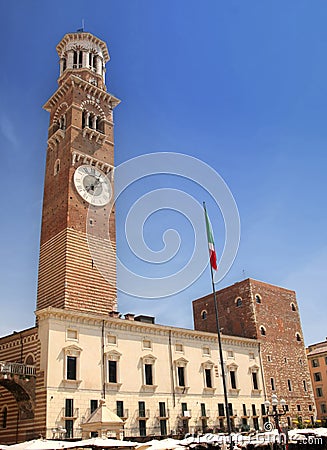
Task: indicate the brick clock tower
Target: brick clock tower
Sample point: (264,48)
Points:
(258,310)
(78,178)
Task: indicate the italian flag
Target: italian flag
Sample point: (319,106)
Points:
(211,244)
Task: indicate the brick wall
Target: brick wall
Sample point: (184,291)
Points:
(69,275)
(269,313)
(25,419)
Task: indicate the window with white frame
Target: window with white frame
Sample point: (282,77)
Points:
(208,376)
(72,363)
(179,348)
(204,314)
(111,339)
(112,369)
(56,167)
(254,372)
(146,344)
(232,377)
(71,335)
(148,372)
(181,374)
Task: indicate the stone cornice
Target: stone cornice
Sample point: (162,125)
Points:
(73,80)
(81,36)
(137,327)
(87,159)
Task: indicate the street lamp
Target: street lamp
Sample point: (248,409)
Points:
(276,413)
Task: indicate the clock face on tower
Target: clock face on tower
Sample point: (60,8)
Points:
(92,185)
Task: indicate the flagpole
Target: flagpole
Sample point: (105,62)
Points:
(229,428)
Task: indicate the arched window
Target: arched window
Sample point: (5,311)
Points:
(101,125)
(298,337)
(238,301)
(61,123)
(29,360)
(94,62)
(293,307)
(56,168)
(258,298)
(84,118)
(78,59)
(4,416)
(262,331)
(204,314)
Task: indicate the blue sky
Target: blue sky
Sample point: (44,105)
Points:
(239,85)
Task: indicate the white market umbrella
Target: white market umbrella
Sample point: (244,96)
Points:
(320,431)
(41,444)
(164,444)
(103,443)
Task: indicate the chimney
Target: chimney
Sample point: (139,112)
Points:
(129,316)
(114,314)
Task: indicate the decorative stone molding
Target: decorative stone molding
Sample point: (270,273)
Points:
(62,108)
(149,359)
(147,329)
(85,41)
(182,389)
(149,387)
(57,136)
(181,362)
(93,134)
(72,350)
(113,386)
(94,91)
(209,391)
(208,365)
(92,101)
(113,355)
(87,159)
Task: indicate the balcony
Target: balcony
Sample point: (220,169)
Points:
(204,414)
(122,414)
(8,369)
(56,137)
(66,415)
(162,414)
(91,133)
(186,415)
(244,414)
(142,414)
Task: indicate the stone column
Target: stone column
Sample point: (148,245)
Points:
(94,122)
(85,60)
(99,65)
(70,59)
(87,119)
(61,65)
